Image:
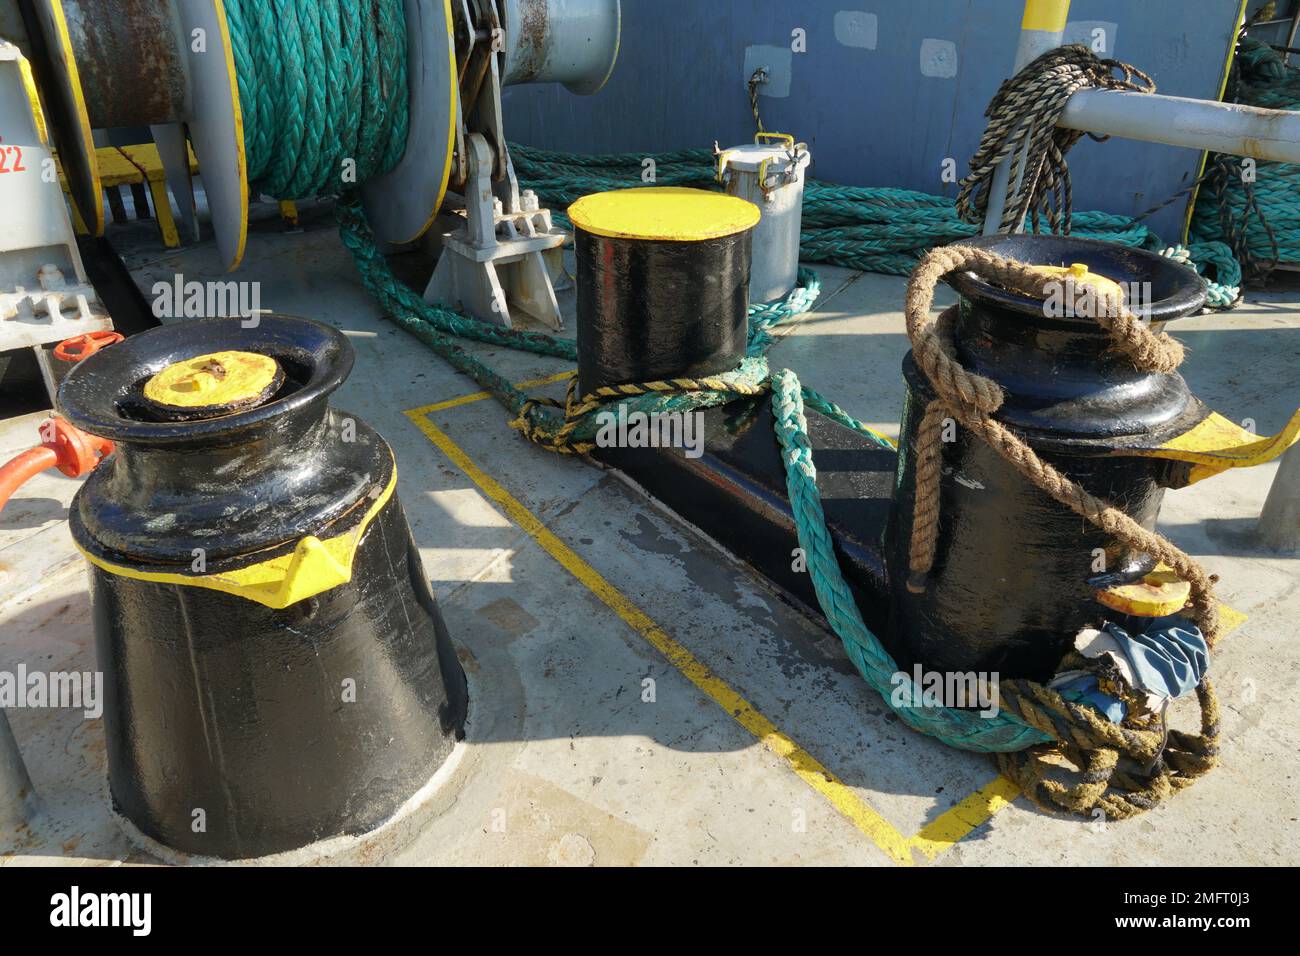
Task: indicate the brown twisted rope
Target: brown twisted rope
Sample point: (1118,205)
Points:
(1121,770)
(577,407)
(1023,117)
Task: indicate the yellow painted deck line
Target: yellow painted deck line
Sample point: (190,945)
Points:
(479,396)
(955,824)
(842,797)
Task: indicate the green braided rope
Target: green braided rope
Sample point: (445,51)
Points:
(765,316)
(1260,78)
(398,299)
(1220,294)
(749,377)
(825,406)
(871,228)
(964,729)
(321,82)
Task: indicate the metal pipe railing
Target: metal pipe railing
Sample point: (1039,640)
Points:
(1272,135)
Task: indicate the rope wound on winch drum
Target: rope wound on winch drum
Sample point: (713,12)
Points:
(322,90)
(1023,117)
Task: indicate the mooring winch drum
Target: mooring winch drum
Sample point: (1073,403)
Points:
(277,671)
(1016,573)
(663,284)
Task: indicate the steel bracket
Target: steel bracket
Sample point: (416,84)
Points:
(495,261)
(45,295)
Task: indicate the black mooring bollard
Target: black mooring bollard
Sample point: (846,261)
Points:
(663,284)
(276,669)
(1014,577)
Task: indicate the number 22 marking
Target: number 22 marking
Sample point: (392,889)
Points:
(18,166)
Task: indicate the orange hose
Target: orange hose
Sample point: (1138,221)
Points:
(31,462)
(67,448)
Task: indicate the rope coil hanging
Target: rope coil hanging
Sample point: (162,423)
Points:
(1023,117)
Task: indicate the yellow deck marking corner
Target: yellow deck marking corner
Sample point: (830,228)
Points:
(840,796)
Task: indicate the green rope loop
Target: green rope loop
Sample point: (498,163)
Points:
(1223,291)
(964,729)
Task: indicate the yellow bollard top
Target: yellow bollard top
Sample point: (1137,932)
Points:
(663,213)
(218,379)
(1080,274)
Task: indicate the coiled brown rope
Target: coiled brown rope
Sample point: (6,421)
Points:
(971,400)
(1120,769)
(1023,117)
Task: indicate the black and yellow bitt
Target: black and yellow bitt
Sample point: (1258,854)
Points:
(277,671)
(663,284)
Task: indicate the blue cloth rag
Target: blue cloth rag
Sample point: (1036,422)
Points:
(1084,690)
(1169,656)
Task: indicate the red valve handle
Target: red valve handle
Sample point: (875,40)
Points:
(82,346)
(66,448)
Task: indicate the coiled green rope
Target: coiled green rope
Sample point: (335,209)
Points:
(322,88)
(871,228)
(1259,221)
